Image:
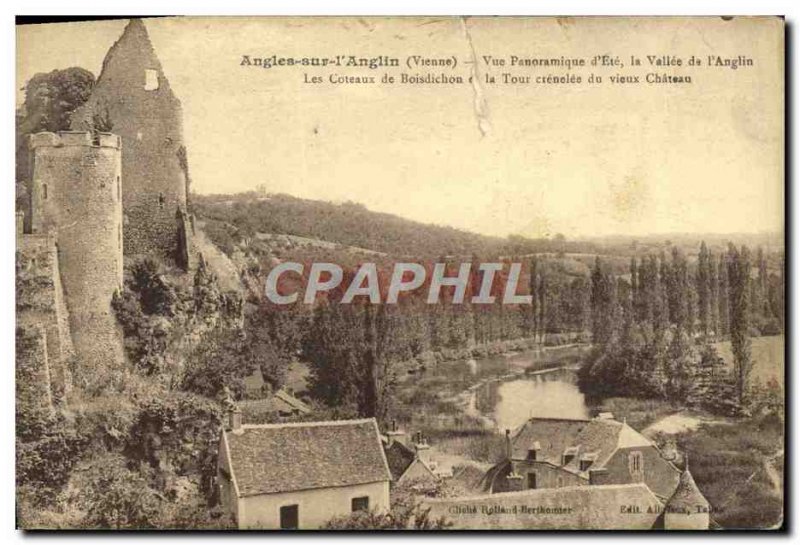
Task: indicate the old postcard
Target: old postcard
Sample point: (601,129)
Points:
(453,273)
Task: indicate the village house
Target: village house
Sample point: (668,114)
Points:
(631,506)
(580,474)
(300,475)
(280,403)
(556,452)
(409,463)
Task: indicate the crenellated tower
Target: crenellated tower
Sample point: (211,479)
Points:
(76,200)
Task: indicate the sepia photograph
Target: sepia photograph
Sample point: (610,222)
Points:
(400,273)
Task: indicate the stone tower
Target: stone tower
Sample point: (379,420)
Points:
(76,194)
(133,99)
(687,509)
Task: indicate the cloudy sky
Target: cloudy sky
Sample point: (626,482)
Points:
(531,159)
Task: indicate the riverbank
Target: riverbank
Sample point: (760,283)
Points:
(442,401)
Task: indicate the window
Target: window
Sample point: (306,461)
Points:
(161,200)
(635,462)
(559,482)
(290,517)
(532,455)
(360,504)
(531,480)
(150,80)
(44,191)
(119,188)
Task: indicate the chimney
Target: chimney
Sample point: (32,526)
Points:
(508,444)
(395,434)
(514,482)
(233,421)
(422,448)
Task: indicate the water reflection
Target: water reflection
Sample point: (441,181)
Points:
(543,395)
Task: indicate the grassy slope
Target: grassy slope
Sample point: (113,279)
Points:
(767,356)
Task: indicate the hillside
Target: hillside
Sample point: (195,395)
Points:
(351,224)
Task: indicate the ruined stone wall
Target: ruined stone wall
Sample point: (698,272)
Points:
(187,255)
(133,96)
(40,304)
(32,374)
(76,197)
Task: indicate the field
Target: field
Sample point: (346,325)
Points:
(767,355)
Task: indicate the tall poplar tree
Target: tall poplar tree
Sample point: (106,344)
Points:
(739,304)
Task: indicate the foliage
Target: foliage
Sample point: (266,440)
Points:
(646,330)
(406,512)
(46,453)
(728,465)
(352,224)
(739,289)
(50,100)
(156,295)
(222,359)
(116,497)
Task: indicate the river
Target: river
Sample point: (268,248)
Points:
(506,390)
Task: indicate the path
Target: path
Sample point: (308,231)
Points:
(678,423)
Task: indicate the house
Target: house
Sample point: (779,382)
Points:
(300,475)
(631,506)
(556,452)
(580,474)
(603,507)
(687,509)
(280,403)
(408,463)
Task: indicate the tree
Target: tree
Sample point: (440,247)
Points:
(704,289)
(532,289)
(713,281)
(739,296)
(711,388)
(223,358)
(724,297)
(603,303)
(352,355)
(50,100)
(115,497)
(680,358)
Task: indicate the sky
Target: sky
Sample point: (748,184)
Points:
(527,159)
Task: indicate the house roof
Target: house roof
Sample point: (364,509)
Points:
(597,507)
(280,401)
(399,457)
(687,496)
(470,477)
(272,458)
(583,439)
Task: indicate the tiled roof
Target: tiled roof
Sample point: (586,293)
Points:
(596,507)
(557,436)
(280,401)
(273,458)
(687,496)
(399,458)
(470,477)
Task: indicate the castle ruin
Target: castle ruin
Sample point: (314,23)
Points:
(133,99)
(96,199)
